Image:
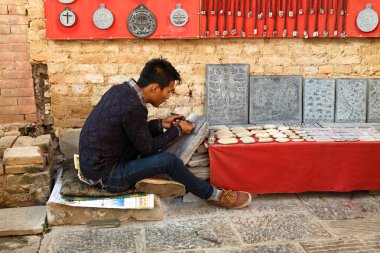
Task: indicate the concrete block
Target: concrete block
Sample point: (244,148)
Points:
(22,220)
(23,156)
(19,169)
(23,141)
(69,142)
(6,142)
(44,142)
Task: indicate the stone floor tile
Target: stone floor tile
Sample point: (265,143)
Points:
(344,245)
(274,248)
(190,234)
(22,220)
(19,244)
(354,227)
(93,240)
(278,227)
(341,206)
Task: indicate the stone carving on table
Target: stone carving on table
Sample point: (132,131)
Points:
(227,88)
(179,16)
(351,100)
(67,17)
(318,100)
(275,99)
(141,22)
(102,18)
(373,100)
(367,19)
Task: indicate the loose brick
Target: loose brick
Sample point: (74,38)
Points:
(6,142)
(11,118)
(20,92)
(20,169)
(44,142)
(23,141)
(23,156)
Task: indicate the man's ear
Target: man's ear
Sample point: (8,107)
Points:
(155,87)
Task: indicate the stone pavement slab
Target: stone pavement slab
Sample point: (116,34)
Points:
(344,245)
(275,248)
(20,244)
(341,206)
(190,234)
(22,220)
(93,240)
(353,227)
(278,227)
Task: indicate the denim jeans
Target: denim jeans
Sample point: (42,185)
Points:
(126,174)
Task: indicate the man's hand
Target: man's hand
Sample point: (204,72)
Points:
(168,121)
(186,127)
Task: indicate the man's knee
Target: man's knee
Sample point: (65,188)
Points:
(171,158)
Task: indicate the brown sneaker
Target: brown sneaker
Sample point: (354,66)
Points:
(232,199)
(161,187)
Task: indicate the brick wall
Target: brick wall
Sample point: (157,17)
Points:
(81,71)
(17,103)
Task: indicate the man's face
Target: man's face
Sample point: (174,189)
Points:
(161,95)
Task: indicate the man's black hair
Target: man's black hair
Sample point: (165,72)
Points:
(158,71)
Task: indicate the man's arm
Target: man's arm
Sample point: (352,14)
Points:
(155,127)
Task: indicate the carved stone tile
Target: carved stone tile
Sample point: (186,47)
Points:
(373,100)
(275,99)
(227,93)
(351,100)
(318,100)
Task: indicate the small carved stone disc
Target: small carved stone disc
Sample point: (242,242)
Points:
(102,18)
(66,1)
(367,19)
(179,16)
(67,17)
(141,22)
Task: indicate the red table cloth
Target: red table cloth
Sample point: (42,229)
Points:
(296,167)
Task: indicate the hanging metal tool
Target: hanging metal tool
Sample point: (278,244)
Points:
(207,31)
(255,19)
(265,19)
(270,13)
(331,7)
(295,28)
(275,19)
(217,19)
(213,7)
(312,7)
(250,9)
(280,12)
(284,32)
(343,33)
(316,33)
(243,34)
(233,31)
(344,6)
(326,31)
(336,18)
(229,7)
(260,10)
(322,9)
(203,8)
(291,9)
(238,9)
(225,32)
(306,26)
(221,7)
(300,10)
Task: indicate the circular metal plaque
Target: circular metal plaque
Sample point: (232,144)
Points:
(102,18)
(367,19)
(141,22)
(179,16)
(66,1)
(67,17)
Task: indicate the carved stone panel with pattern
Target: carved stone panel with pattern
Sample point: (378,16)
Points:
(351,100)
(373,100)
(275,99)
(227,93)
(318,100)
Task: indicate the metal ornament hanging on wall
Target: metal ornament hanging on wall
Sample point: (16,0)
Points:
(179,16)
(66,1)
(102,18)
(367,19)
(67,17)
(141,22)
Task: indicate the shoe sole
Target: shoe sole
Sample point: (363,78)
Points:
(161,187)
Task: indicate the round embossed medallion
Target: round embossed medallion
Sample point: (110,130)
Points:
(367,19)
(67,17)
(102,18)
(66,1)
(179,16)
(141,22)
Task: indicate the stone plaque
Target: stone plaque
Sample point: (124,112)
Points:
(227,93)
(67,17)
(275,99)
(103,18)
(318,100)
(367,19)
(179,16)
(141,22)
(373,100)
(351,100)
